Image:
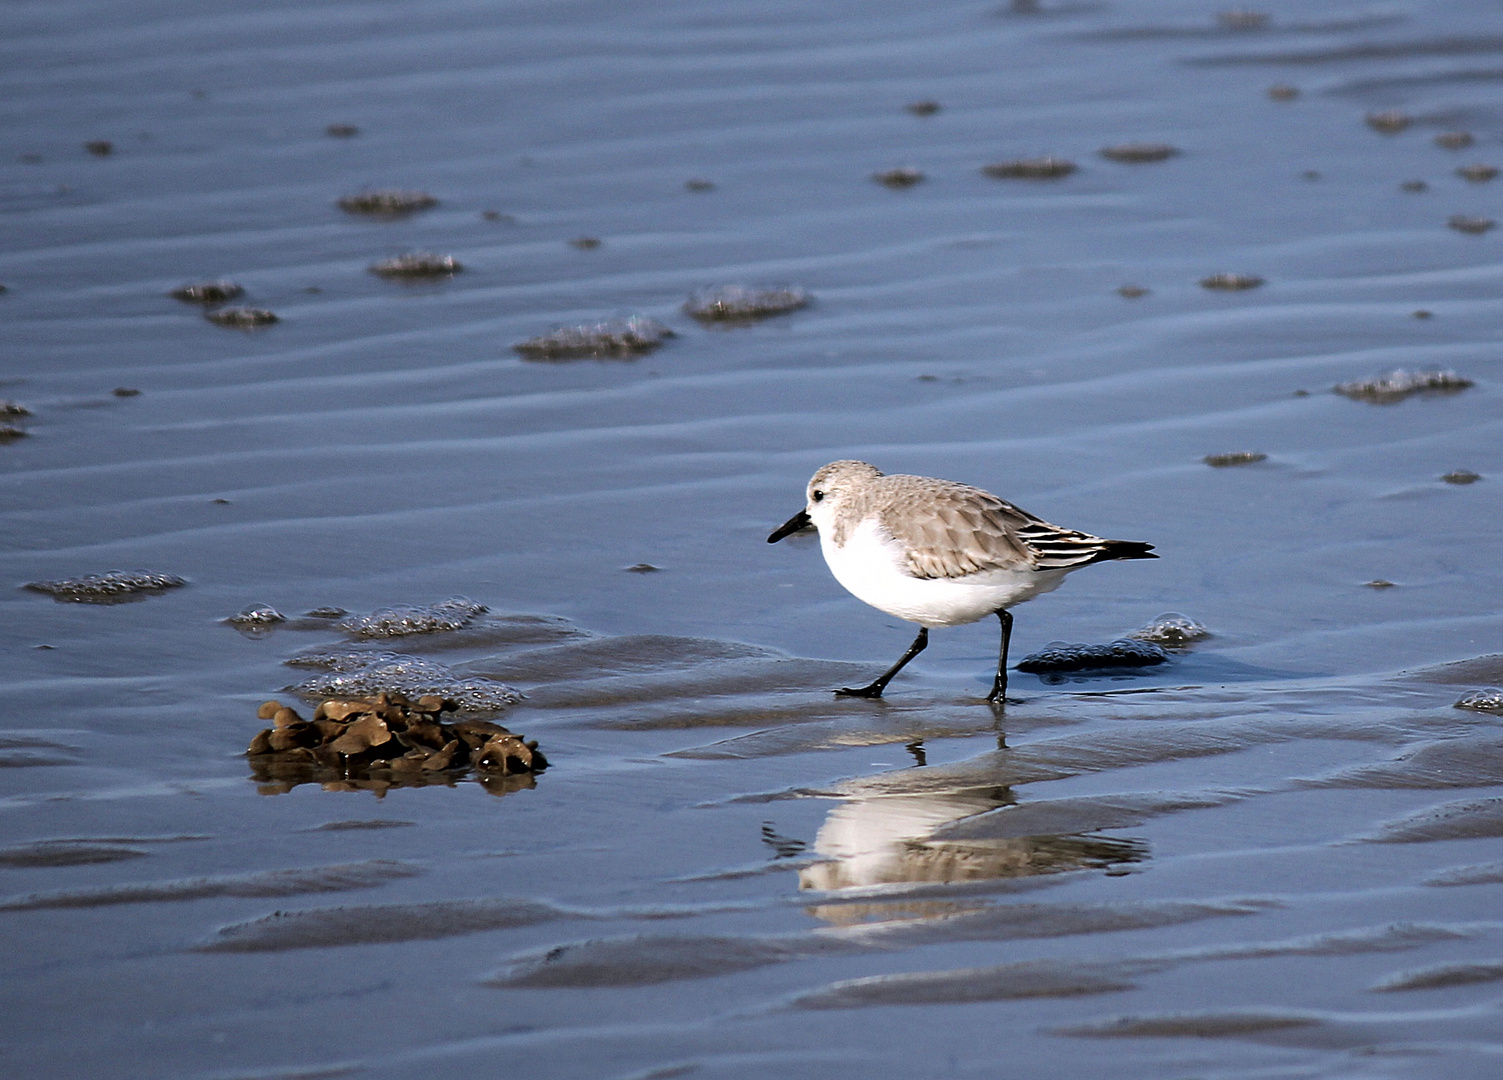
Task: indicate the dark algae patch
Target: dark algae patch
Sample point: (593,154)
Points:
(1477,174)
(388,740)
(1136,153)
(1389,121)
(111,587)
(1472,226)
(743,303)
(1061,656)
(899,178)
(417,264)
(207,292)
(1039,168)
(1237,457)
(387,202)
(1231,282)
(615,338)
(242,318)
(1461,477)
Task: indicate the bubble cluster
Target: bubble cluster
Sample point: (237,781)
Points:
(353,674)
(417,264)
(1171,629)
(111,586)
(400,620)
(1399,384)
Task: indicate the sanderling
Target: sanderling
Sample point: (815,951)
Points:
(939,553)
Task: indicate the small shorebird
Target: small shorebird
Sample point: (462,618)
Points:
(939,553)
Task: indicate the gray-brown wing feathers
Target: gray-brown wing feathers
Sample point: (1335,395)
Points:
(952,530)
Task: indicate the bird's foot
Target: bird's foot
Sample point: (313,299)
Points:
(872,691)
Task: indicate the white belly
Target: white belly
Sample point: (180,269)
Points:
(871,567)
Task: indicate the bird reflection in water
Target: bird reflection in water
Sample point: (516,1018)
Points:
(887,840)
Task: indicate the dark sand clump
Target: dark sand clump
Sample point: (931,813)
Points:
(1477,174)
(1399,384)
(1454,140)
(1237,457)
(737,303)
(1283,92)
(898,178)
(1132,292)
(1171,629)
(1059,656)
(100,147)
(207,292)
(1472,226)
(1138,153)
(341,131)
(1461,476)
(616,337)
(387,738)
(417,264)
(241,318)
(107,588)
(922,108)
(1040,168)
(1389,121)
(387,202)
(1231,282)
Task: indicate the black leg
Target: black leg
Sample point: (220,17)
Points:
(876,688)
(999,684)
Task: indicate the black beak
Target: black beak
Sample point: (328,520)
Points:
(794,524)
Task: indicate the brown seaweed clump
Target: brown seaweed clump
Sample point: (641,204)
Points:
(207,292)
(1283,92)
(417,264)
(1477,174)
(1237,457)
(387,202)
(1388,122)
(1138,153)
(1472,226)
(1454,140)
(385,741)
(1461,477)
(1399,384)
(111,587)
(740,303)
(1488,699)
(1039,168)
(898,178)
(616,337)
(1231,282)
(241,318)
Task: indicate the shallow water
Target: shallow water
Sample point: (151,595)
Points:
(1276,855)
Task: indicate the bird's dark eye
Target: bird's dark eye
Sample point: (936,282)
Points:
(819,496)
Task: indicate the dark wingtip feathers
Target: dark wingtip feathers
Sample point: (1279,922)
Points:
(1126,549)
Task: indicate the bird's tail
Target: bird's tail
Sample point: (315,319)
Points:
(1125,549)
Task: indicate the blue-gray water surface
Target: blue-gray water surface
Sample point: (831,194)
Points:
(1276,856)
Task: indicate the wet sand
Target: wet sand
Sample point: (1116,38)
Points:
(1275,855)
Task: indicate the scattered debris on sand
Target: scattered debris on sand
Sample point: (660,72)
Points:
(402,620)
(1478,173)
(1454,140)
(1171,630)
(1138,153)
(242,318)
(741,303)
(1039,168)
(100,147)
(1399,384)
(387,202)
(1488,699)
(1389,121)
(903,177)
(207,292)
(922,108)
(389,738)
(1283,92)
(1062,656)
(616,337)
(417,264)
(1132,292)
(1461,476)
(1231,282)
(1236,457)
(1473,226)
(107,588)
(341,131)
